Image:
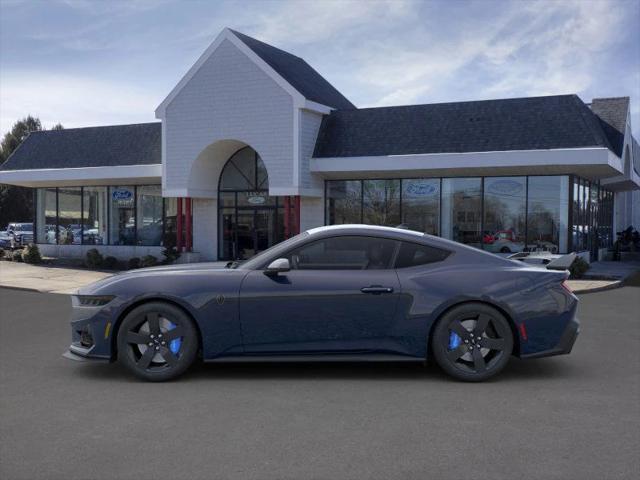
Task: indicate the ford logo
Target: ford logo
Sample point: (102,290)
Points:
(121,194)
(422,189)
(505,187)
(256,200)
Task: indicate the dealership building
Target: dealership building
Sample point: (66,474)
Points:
(253,145)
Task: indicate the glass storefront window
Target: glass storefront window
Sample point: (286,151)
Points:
(421,205)
(70,216)
(46,216)
(504,214)
(547,215)
(149,215)
(170,222)
(344,202)
(122,221)
(94,217)
(381,202)
(462,210)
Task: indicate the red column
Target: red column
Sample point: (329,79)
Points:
(287,217)
(188,242)
(297,213)
(179,225)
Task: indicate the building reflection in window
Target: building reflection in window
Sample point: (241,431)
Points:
(505,203)
(548,213)
(421,205)
(70,216)
(462,210)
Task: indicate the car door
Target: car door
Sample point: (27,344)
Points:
(339,296)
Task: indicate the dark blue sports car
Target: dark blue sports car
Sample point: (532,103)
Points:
(351,292)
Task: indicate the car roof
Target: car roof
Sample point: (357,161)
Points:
(365,228)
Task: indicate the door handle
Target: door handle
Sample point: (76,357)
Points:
(376,289)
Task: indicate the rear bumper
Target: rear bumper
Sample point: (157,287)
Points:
(565,344)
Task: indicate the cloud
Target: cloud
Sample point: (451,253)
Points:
(73,101)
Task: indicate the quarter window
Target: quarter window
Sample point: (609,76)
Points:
(414,254)
(344,253)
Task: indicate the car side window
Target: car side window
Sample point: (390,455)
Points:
(414,254)
(344,253)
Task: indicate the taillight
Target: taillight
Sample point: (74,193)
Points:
(567,288)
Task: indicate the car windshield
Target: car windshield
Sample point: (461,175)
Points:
(256,261)
(22,227)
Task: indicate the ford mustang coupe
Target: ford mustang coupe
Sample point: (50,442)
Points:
(349,292)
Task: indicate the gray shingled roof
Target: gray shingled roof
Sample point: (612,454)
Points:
(612,113)
(533,123)
(116,145)
(298,73)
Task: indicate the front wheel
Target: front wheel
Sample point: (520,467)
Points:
(472,342)
(157,341)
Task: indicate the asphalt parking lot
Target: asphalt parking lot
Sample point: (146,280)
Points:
(571,417)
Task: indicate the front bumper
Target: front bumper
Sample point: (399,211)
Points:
(565,344)
(74,354)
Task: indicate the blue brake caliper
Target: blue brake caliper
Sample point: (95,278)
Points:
(454,341)
(174,345)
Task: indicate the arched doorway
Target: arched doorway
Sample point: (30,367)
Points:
(249,220)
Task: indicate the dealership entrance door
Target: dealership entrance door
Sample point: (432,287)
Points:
(249,220)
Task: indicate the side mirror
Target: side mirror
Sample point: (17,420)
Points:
(277,266)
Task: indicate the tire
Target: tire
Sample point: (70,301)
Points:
(477,357)
(157,341)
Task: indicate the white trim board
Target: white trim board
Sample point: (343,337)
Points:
(83,176)
(461,162)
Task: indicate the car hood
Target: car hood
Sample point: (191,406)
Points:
(102,286)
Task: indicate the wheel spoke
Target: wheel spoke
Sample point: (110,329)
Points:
(145,360)
(168,356)
(478,361)
(481,324)
(457,352)
(492,343)
(173,334)
(154,323)
(137,338)
(459,329)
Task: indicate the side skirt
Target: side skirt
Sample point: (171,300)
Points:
(373,357)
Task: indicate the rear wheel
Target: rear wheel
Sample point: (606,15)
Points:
(472,342)
(157,341)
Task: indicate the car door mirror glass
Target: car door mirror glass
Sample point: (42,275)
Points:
(277,266)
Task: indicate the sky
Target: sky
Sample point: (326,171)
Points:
(86,63)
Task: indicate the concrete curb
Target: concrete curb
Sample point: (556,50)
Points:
(611,286)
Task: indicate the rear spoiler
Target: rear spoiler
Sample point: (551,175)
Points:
(562,263)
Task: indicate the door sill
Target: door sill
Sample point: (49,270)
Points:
(345,357)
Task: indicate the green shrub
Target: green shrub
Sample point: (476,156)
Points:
(31,254)
(170,255)
(16,256)
(110,263)
(1,253)
(94,259)
(149,261)
(133,263)
(578,268)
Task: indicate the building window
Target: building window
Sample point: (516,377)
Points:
(381,202)
(94,215)
(505,200)
(421,205)
(547,213)
(70,216)
(149,215)
(122,219)
(344,202)
(462,210)
(46,215)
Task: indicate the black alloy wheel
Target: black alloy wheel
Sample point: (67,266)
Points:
(157,341)
(472,342)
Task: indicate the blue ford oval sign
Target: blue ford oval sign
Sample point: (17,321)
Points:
(422,189)
(122,194)
(505,187)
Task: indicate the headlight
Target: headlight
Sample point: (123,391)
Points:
(91,300)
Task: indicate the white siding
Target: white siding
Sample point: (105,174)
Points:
(309,127)
(311,212)
(229,97)
(205,228)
